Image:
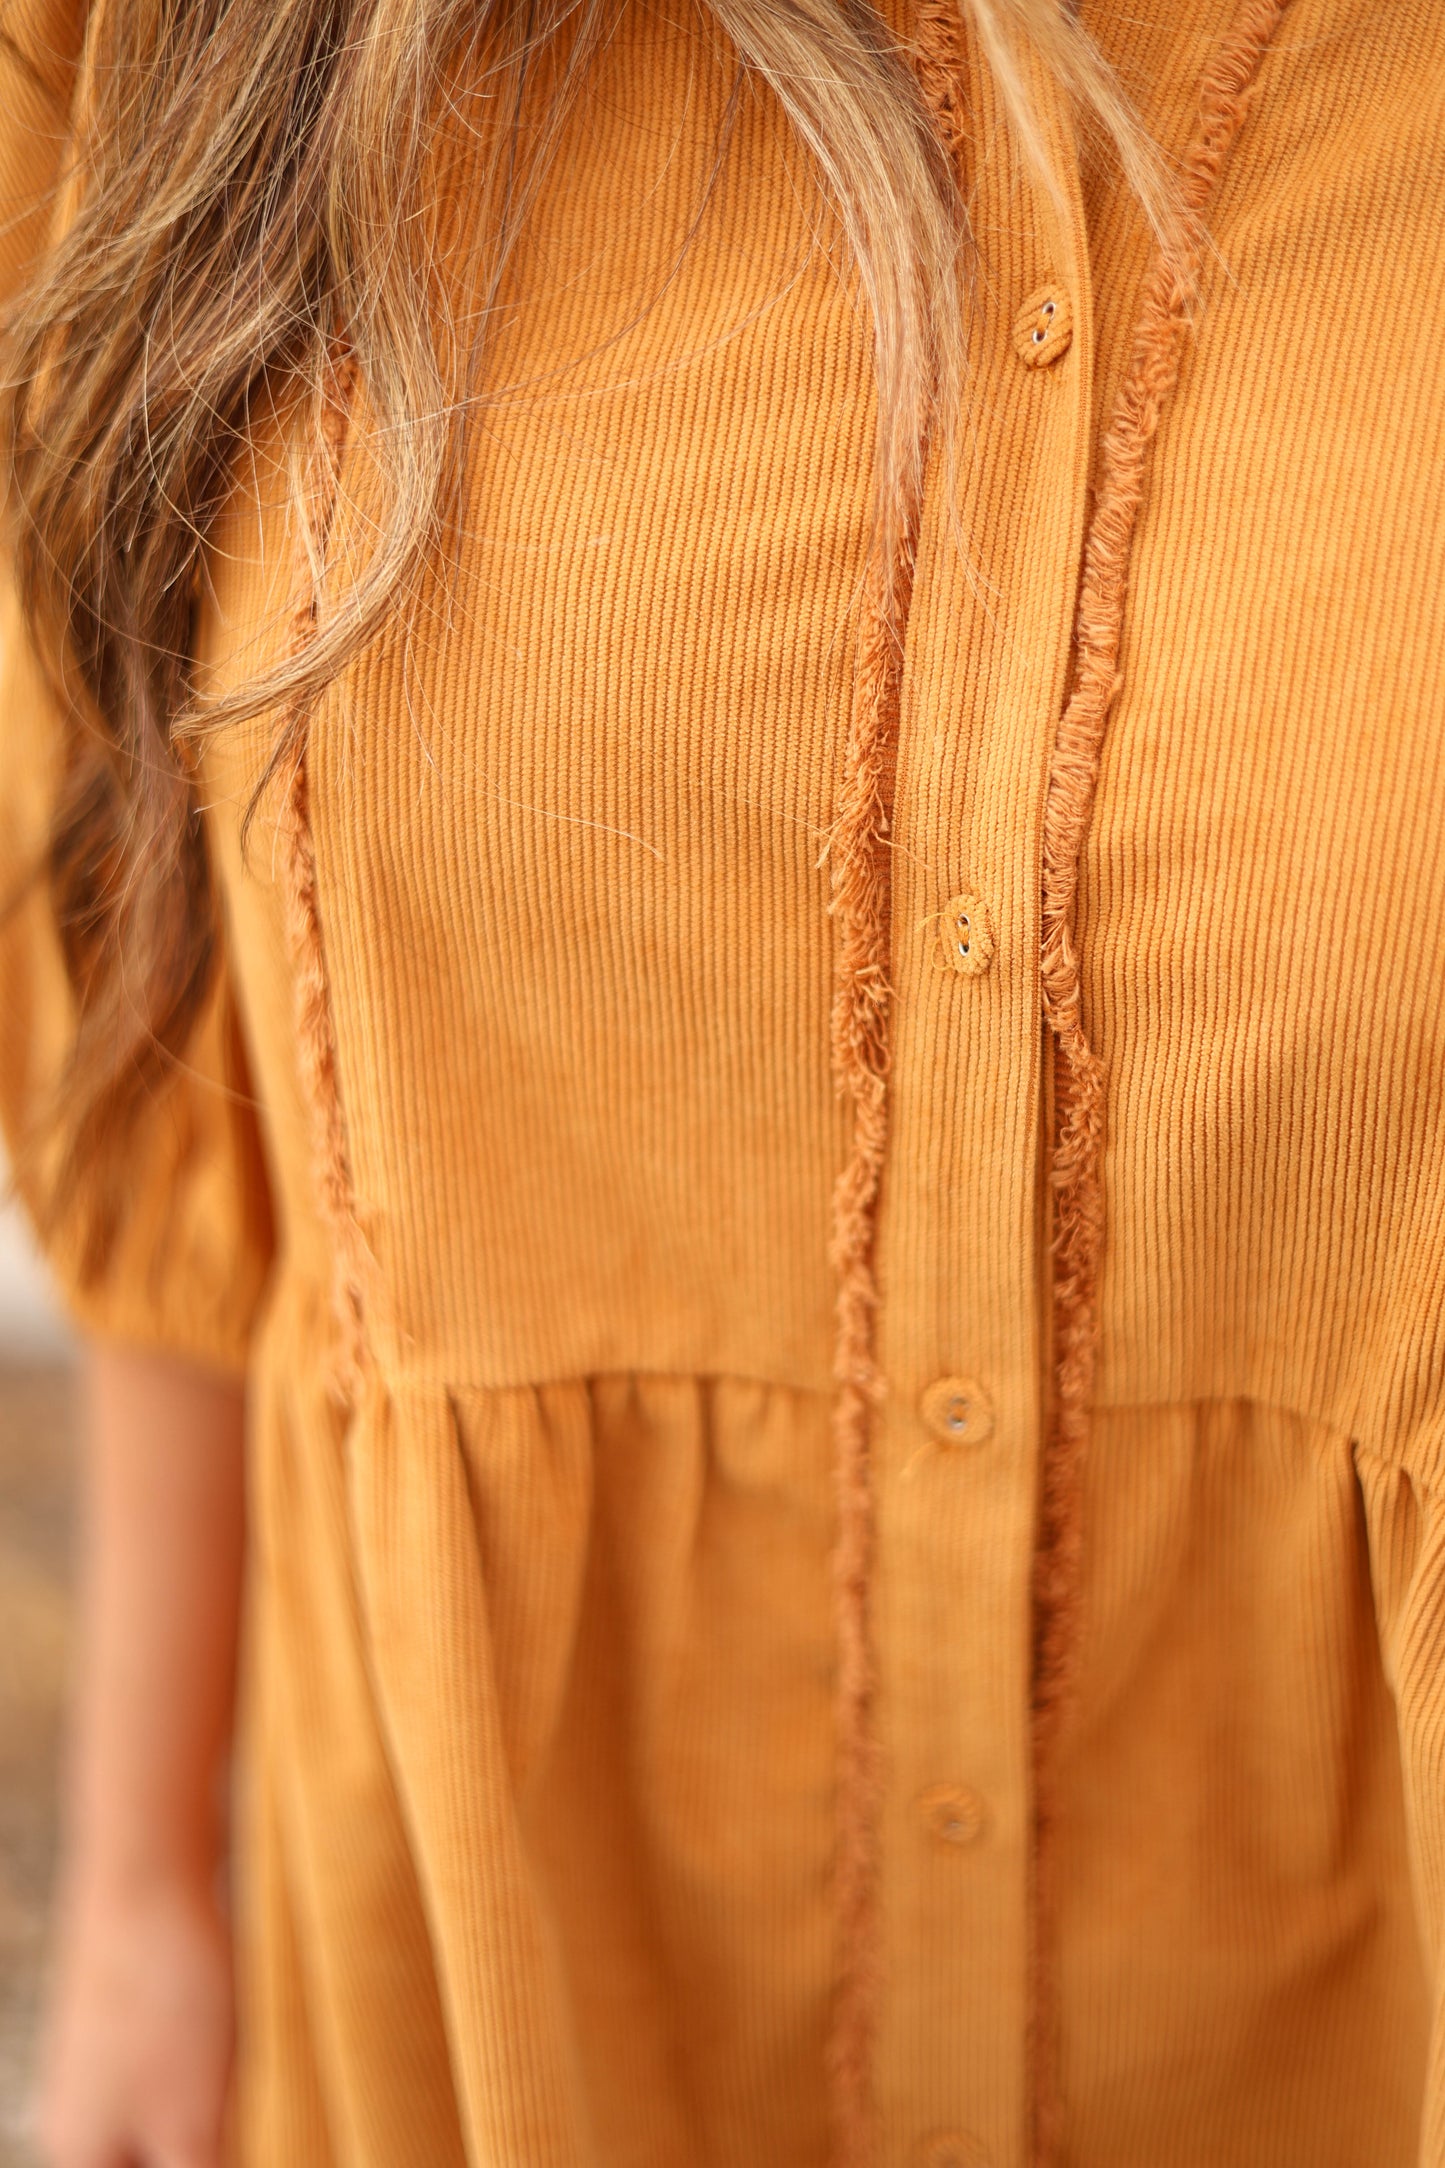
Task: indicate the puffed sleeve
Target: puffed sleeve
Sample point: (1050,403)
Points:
(193,1249)
(1405,1517)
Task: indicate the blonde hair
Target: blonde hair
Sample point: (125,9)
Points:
(250,180)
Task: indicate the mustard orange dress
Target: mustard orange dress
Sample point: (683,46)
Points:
(832,1198)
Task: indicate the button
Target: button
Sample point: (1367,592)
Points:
(965,933)
(954,1813)
(958,1411)
(950,2149)
(1043,327)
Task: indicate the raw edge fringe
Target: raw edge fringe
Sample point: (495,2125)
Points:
(859,851)
(940,59)
(1076,1169)
(315,1036)
(861,901)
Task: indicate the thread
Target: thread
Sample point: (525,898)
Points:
(1076,1170)
(315,1031)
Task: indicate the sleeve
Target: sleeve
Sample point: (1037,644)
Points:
(1405,1519)
(193,1251)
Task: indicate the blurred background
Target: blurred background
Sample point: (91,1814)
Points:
(37,1423)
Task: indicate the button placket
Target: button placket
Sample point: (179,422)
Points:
(960,1256)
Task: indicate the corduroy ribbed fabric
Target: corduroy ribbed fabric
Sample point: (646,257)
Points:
(542,1745)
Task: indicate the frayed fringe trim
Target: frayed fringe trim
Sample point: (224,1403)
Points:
(940,60)
(859,852)
(315,1032)
(1076,1171)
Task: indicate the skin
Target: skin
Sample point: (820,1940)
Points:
(137,2043)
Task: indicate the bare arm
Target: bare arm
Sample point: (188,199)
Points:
(139,2035)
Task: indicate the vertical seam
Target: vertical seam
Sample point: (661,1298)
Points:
(1169,291)
(312,1007)
(861,901)
(860,862)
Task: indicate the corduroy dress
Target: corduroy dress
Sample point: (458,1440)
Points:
(829,1180)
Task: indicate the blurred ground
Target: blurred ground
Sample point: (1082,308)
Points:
(36,1460)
